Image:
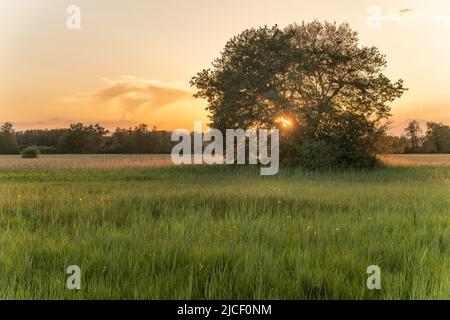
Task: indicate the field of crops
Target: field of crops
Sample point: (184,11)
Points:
(141,229)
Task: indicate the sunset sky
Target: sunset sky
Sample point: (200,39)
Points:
(132,60)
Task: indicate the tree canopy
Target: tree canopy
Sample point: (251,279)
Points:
(314,77)
(437,138)
(413,133)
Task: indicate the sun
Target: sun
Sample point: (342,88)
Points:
(284,122)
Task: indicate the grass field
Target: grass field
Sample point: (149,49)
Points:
(160,232)
(417,159)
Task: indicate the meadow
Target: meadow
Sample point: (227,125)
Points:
(142,229)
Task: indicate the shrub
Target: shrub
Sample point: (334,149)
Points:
(31,152)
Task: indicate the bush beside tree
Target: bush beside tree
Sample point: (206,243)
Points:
(31,152)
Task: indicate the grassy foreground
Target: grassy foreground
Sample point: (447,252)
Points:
(213,233)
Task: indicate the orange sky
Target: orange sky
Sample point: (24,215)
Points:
(132,60)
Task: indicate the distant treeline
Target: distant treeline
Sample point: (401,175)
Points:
(435,139)
(86,139)
(91,139)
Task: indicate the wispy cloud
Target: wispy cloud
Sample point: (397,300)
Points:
(403,11)
(133,93)
(131,96)
(406,15)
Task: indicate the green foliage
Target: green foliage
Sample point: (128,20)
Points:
(140,140)
(437,138)
(244,81)
(93,139)
(317,75)
(414,135)
(37,137)
(322,154)
(82,139)
(31,152)
(8,144)
(8,141)
(389,144)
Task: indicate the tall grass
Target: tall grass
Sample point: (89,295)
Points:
(225,232)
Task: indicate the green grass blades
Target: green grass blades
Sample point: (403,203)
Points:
(225,233)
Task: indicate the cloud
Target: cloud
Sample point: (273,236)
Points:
(115,91)
(130,97)
(376,17)
(131,105)
(402,11)
(132,94)
(162,96)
